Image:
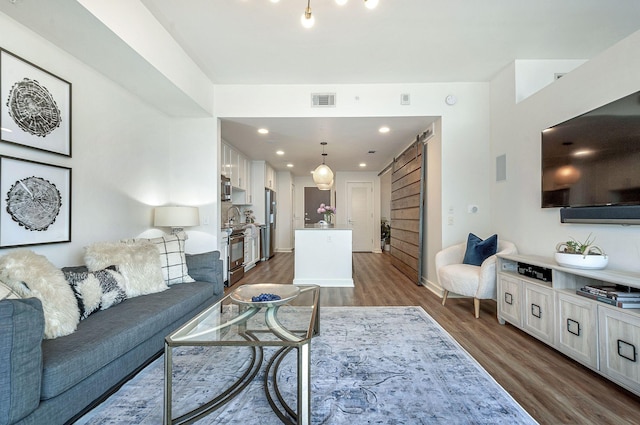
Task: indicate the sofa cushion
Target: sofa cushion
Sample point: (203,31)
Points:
(97,290)
(138,261)
(172,257)
(32,275)
(479,250)
(21,329)
(108,334)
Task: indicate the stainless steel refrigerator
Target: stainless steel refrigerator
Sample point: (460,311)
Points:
(269,245)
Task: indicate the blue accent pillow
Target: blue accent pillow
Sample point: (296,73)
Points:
(479,250)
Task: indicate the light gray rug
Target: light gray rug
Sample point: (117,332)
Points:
(370,365)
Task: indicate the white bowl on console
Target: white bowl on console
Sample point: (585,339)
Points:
(579,261)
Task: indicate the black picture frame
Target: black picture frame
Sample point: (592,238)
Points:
(35,106)
(35,203)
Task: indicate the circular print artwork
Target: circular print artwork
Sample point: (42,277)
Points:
(34,203)
(33,108)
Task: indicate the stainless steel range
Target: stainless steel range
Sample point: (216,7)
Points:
(236,255)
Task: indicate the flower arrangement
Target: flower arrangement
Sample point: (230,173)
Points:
(249,217)
(328,212)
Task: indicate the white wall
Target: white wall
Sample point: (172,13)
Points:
(284,224)
(433,216)
(385,196)
(127,156)
(515,131)
(533,75)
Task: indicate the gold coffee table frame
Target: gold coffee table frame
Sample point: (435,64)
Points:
(225,323)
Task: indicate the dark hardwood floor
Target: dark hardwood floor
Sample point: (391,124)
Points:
(551,387)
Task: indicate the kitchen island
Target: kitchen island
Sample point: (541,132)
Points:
(323,256)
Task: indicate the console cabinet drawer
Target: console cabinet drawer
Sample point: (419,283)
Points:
(509,300)
(539,312)
(619,346)
(576,328)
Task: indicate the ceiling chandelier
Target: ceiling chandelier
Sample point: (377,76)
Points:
(322,175)
(308,19)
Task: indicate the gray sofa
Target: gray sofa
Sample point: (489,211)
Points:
(54,381)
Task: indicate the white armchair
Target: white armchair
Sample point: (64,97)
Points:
(478,282)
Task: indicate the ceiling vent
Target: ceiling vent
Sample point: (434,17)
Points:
(323,100)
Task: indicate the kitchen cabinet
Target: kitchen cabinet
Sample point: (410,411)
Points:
(270,177)
(237,168)
(251,248)
(235,172)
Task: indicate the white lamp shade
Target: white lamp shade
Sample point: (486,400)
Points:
(176,217)
(322,175)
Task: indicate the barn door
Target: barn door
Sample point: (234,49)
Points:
(407,183)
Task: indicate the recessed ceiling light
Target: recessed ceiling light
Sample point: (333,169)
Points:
(362,164)
(263,131)
(383,129)
(290,165)
(280,152)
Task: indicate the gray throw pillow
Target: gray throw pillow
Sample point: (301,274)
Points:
(202,267)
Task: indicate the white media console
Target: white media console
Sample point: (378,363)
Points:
(600,336)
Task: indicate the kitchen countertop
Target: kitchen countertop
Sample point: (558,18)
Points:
(318,227)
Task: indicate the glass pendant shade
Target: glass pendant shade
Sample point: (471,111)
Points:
(307,19)
(322,186)
(322,175)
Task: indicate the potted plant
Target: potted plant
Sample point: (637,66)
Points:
(581,255)
(385,234)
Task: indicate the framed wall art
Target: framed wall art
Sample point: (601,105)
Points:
(35,207)
(35,107)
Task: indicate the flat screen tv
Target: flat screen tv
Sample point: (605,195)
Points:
(593,160)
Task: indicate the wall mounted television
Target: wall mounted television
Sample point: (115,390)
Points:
(591,165)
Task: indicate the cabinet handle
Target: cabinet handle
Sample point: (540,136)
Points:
(628,351)
(536,311)
(508,298)
(572,325)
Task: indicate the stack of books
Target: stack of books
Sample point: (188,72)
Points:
(619,295)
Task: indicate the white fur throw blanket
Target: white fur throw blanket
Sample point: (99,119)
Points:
(32,275)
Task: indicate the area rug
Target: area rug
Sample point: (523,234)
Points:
(370,365)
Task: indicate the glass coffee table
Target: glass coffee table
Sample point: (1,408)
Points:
(288,322)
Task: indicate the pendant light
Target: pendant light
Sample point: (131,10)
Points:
(307,19)
(322,175)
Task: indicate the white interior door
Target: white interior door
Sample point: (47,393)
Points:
(360,214)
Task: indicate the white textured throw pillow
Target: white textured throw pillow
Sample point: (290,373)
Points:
(138,262)
(172,257)
(32,275)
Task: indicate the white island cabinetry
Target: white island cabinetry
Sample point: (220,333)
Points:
(323,257)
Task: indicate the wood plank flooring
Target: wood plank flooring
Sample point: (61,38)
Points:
(551,387)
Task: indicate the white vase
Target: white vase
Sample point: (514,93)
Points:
(579,261)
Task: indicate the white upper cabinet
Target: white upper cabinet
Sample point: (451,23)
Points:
(269,177)
(236,167)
